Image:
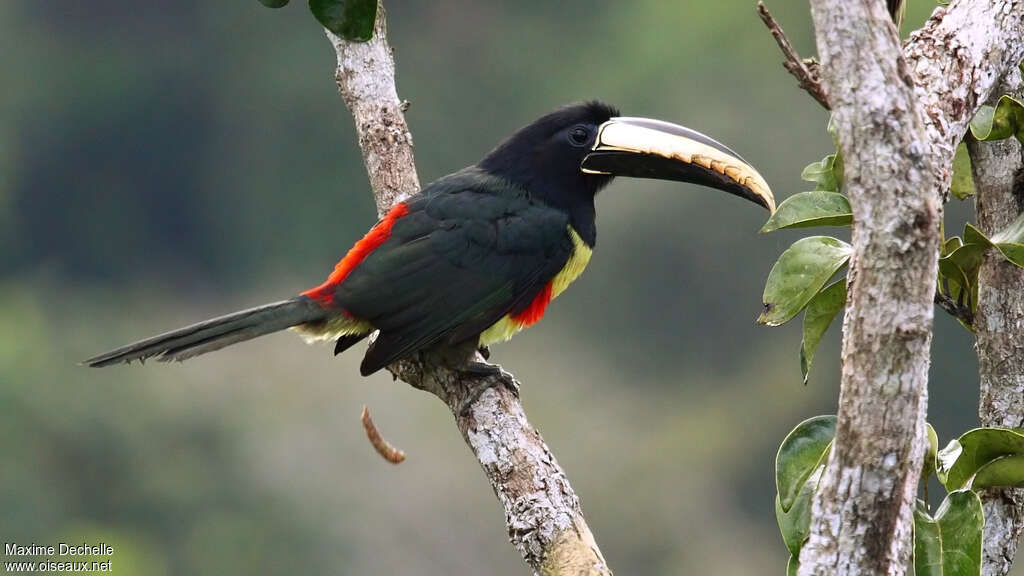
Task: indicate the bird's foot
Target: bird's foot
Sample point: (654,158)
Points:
(490,375)
(485,352)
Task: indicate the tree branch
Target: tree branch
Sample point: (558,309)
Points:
(899,115)
(542,512)
(806,76)
(959,310)
(366,81)
(998,169)
(956,60)
(862,511)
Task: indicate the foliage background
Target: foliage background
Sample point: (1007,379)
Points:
(160,164)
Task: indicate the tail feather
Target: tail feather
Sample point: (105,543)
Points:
(216,333)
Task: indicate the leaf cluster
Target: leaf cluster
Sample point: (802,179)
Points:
(960,260)
(804,279)
(947,541)
(799,280)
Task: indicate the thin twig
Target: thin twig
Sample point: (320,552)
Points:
(382,446)
(955,309)
(806,73)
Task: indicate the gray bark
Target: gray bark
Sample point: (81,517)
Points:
(863,504)
(899,115)
(999,326)
(542,512)
(366,81)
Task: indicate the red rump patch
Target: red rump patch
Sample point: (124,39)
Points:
(324,293)
(535,311)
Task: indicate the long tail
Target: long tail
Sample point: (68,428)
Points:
(216,333)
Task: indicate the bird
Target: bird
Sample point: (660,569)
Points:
(477,255)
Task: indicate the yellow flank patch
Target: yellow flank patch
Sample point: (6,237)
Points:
(507,327)
(332,329)
(574,267)
(500,331)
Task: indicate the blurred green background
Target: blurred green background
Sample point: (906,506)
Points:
(164,162)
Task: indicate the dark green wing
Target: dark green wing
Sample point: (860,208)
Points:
(470,250)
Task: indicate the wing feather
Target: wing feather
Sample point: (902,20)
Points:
(466,255)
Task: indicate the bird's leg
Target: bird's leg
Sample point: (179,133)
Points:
(484,351)
(479,375)
(489,375)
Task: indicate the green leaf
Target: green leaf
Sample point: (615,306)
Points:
(1012,252)
(827,174)
(981,124)
(793,566)
(951,244)
(955,277)
(800,273)
(961,264)
(968,258)
(974,236)
(1009,241)
(821,310)
(351,19)
(1006,119)
(931,455)
(963,181)
(949,543)
(1014,233)
(803,450)
(1005,472)
(806,209)
(795,525)
(962,458)
(832,128)
(274,3)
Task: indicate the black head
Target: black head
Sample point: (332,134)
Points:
(563,159)
(545,156)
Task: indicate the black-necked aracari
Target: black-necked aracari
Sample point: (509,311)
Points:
(478,254)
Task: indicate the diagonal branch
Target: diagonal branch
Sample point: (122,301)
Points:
(542,512)
(806,76)
(959,310)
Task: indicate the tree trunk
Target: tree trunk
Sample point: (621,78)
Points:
(862,510)
(999,326)
(899,115)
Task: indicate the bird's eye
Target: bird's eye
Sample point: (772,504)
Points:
(579,135)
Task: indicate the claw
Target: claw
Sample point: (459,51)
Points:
(488,373)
